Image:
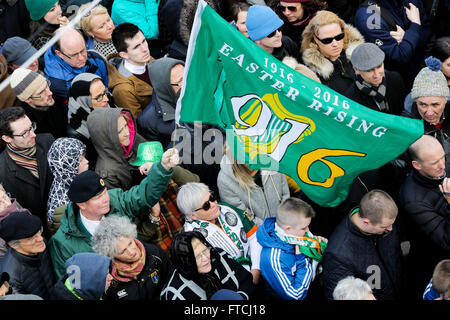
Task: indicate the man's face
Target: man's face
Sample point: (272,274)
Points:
(385,226)
(96,207)
(373,76)
(73,50)
(292,11)
(23,134)
(137,50)
(431,108)
(31,246)
(34,66)
(432,161)
(42,97)
(176,77)
(270,42)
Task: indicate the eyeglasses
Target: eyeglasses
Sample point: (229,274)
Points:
(176,84)
(40,93)
(339,37)
(26,133)
(270,35)
(100,97)
(205,253)
(71,56)
(290,8)
(207,205)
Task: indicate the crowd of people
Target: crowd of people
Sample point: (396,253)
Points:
(95,202)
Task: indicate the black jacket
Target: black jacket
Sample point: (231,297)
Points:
(53,121)
(30,192)
(342,77)
(29,274)
(149,283)
(395,94)
(368,257)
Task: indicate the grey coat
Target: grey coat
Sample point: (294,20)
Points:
(259,203)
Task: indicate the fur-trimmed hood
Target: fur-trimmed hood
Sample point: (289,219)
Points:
(322,66)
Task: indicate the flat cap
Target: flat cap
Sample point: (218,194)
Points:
(367,56)
(19,225)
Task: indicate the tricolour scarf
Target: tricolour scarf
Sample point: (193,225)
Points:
(25,158)
(125,272)
(308,244)
(378,93)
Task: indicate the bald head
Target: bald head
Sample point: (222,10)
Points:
(428,157)
(71,47)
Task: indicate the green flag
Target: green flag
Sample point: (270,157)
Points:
(277,119)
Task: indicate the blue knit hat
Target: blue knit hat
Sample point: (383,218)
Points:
(261,21)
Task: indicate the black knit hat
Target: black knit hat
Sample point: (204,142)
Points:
(19,225)
(84,186)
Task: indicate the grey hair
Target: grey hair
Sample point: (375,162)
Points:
(13,243)
(351,288)
(113,227)
(189,196)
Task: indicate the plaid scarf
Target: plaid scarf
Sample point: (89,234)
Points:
(25,158)
(378,93)
(125,272)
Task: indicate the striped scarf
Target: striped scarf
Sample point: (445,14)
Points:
(125,272)
(378,93)
(25,158)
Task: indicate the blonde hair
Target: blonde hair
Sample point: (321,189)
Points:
(322,18)
(241,171)
(85,22)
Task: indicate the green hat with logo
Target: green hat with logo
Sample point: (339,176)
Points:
(151,151)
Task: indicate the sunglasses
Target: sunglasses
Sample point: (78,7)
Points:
(290,8)
(339,37)
(207,205)
(272,34)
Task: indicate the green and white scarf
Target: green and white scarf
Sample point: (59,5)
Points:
(308,244)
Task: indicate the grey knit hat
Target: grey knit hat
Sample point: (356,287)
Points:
(430,81)
(25,82)
(17,50)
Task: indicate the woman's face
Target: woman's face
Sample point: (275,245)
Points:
(240,23)
(101,27)
(211,213)
(53,14)
(446,68)
(123,132)
(127,250)
(202,257)
(84,164)
(98,92)
(292,11)
(332,50)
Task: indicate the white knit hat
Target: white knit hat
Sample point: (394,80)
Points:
(25,82)
(430,81)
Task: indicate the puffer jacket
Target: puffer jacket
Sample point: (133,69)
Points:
(72,237)
(29,274)
(337,75)
(352,253)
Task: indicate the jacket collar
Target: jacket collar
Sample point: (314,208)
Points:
(426,182)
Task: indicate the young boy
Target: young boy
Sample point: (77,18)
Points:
(290,253)
(439,286)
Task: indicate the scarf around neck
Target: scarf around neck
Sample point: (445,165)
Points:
(25,158)
(309,245)
(378,93)
(126,272)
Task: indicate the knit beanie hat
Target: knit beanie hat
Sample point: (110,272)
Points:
(18,50)
(430,81)
(25,82)
(39,8)
(261,21)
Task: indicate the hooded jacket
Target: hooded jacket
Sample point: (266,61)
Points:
(112,165)
(156,122)
(88,273)
(288,274)
(61,74)
(259,203)
(337,75)
(63,159)
(129,91)
(72,237)
(187,284)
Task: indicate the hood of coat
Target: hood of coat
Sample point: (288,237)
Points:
(159,72)
(317,62)
(267,237)
(89,274)
(64,158)
(102,126)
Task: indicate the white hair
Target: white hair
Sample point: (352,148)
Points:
(189,197)
(112,228)
(351,288)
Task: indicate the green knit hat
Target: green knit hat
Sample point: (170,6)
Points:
(151,151)
(39,8)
